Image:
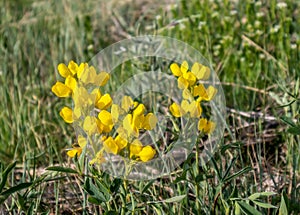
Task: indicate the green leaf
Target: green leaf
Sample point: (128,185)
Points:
(229,168)
(175,199)
(294,130)
(94,200)
(147,186)
(95,192)
(4,195)
(288,121)
(258,195)
(242,171)
(103,189)
(283,210)
(216,168)
(62,169)
(5,174)
(237,209)
(263,204)
(248,209)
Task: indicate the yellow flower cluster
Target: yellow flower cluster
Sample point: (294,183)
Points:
(193,93)
(127,120)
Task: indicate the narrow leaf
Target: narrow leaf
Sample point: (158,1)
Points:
(248,209)
(175,199)
(288,121)
(264,205)
(242,171)
(283,208)
(258,195)
(5,174)
(4,195)
(62,169)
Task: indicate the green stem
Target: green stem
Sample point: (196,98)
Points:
(198,207)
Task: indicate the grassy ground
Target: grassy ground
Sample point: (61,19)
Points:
(254,47)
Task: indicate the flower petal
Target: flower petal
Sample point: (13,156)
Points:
(184,67)
(135,147)
(150,121)
(121,142)
(110,146)
(127,103)
(104,102)
(71,153)
(176,110)
(175,69)
(147,153)
(61,90)
(71,82)
(72,66)
(67,114)
(63,70)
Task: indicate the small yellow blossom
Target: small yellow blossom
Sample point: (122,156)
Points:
(149,121)
(67,114)
(106,123)
(71,153)
(77,148)
(147,153)
(121,142)
(200,71)
(206,126)
(135,148)
(176,110)
(185,78)
(204,94)
(90,125)
(110,145)
(61,90)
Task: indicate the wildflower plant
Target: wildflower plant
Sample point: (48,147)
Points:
(146,126)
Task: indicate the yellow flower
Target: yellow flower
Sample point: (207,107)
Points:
(135,148)
(73,67)
(67,114)
(103,101)
(115,112)
(82,98)
(106,122)
(200,71)
(129,126)
(204,94)
(147,153)
(88,75)
(90,125)
(185,78)
(121,142)
(77,149)
(110,145)
(81,141)
(128,104)
(61,90)
(176,110)
(63,70)
(206,126)
(195,109)
(149,121)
